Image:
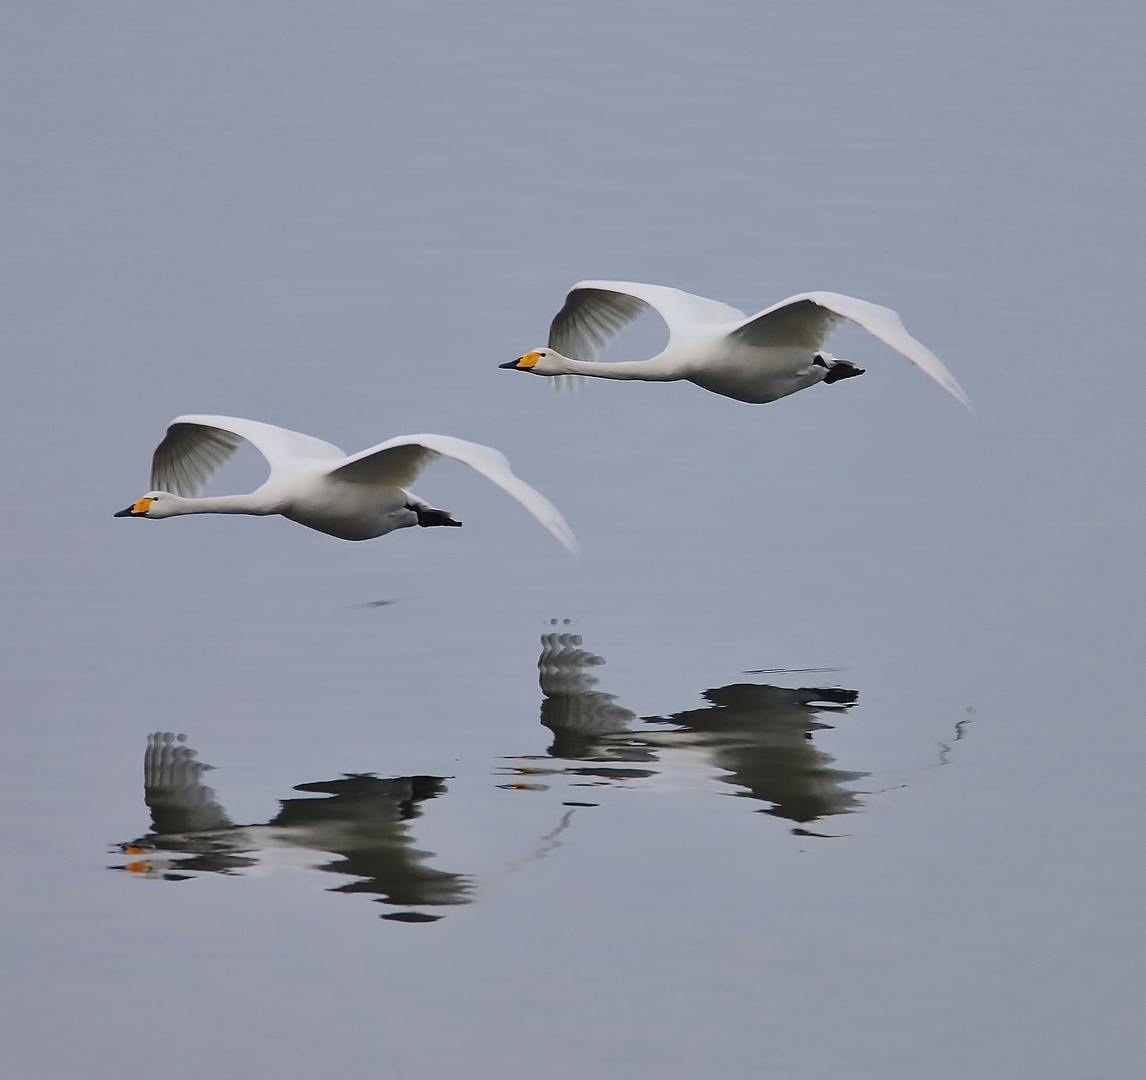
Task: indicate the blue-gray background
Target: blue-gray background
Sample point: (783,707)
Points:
(340,217)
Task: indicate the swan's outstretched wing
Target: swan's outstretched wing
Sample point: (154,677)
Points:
(595,311)
(398,461)
(195,446)
(807,319)
(572,705)
(174,790)
(562,665)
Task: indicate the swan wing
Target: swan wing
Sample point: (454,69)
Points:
(174,790)
(398,461)
(595,311)
(196,445)
(807,319)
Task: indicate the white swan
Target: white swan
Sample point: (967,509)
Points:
(314,483)
(754,358)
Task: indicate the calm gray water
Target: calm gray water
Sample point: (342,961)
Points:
(832,764)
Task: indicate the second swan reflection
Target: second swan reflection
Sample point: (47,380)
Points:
(758,737)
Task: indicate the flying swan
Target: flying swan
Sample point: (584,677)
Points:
(754,358)
(314,483)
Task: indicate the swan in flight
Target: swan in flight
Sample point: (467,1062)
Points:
(314,483)
(755,358)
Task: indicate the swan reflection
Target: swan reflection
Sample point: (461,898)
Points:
(758,737)
(364,820)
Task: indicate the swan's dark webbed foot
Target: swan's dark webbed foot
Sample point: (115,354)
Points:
(842,371)
(429,517)
(838,369)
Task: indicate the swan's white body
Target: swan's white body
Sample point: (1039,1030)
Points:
(752,358)
(355,497)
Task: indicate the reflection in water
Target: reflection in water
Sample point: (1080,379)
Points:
(945,748)
(758,736)
(762,736)
(583,720)
(364,821)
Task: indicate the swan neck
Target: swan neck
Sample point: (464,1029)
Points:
(654,370)
(224,504)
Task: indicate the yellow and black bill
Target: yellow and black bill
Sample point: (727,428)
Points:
(138,508)
(522,363)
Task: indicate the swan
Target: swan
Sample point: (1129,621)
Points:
(755,359)
(355,497)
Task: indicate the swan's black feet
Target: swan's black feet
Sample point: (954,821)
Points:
(842,369)
(835,694)
(428,517)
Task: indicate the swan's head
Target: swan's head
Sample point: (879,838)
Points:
(539,362)
(155,504)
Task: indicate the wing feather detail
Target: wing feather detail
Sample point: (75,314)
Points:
(174,790)
(184,461)
(590,319)
(398,465)
(399,460)
(596,311)
(195,446)
(806,319)
(804,323)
